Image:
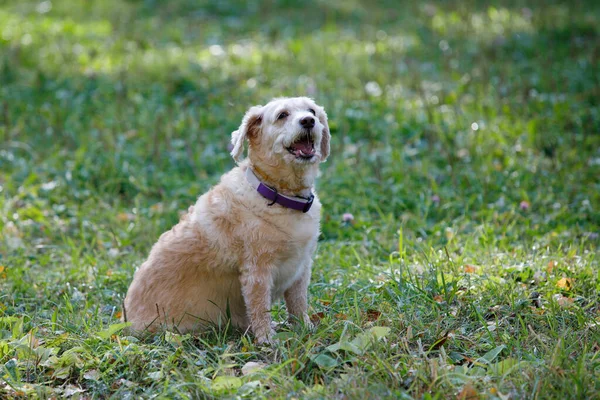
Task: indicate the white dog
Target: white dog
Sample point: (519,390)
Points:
(250,239)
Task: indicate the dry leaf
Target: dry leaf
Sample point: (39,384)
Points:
(71,390)
(251,367)
(538,311)
(470,269)
(315,318)
(373,315)
(562,300)
(438,298)
(92,375)
(123,217)
(440,342)
(565,283)
(468,392)
(341,316)
(550,266)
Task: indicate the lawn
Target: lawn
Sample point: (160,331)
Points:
(461,203)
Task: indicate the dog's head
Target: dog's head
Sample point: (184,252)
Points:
(289,130)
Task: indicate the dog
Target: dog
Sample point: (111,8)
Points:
(249,240)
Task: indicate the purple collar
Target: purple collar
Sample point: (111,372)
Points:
(295,203)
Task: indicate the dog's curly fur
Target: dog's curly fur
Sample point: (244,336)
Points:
(232,250)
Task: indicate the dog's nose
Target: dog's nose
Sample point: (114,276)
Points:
(307,122)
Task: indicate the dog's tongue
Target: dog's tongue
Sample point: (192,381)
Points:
(303,147)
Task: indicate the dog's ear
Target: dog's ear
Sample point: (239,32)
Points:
(325,137)
(249,127)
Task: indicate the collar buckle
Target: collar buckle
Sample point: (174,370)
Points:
(308,204)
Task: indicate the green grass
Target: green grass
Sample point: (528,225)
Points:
(465,144)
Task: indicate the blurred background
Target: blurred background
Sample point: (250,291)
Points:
(443,113)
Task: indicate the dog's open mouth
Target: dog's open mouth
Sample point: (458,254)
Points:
(303,147)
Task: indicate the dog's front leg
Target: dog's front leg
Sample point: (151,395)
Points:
(296,298)
(256,289)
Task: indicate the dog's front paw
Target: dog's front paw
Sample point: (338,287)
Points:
(303,320)
(264,338)
(307,322)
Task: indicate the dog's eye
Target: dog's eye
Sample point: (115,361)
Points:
(312,111)
(283,115)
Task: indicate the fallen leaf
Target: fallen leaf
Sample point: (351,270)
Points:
(440,342)
(468,392)
(470,269)
(438,298)
(550,266)
(92,375)
(538,311)
(562,300)
(565,283)
(71,390)
(123,217)
(155,376)
(341,316)
(315,318)
(373,315)
(251,367)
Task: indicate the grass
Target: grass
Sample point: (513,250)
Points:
(465,146)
